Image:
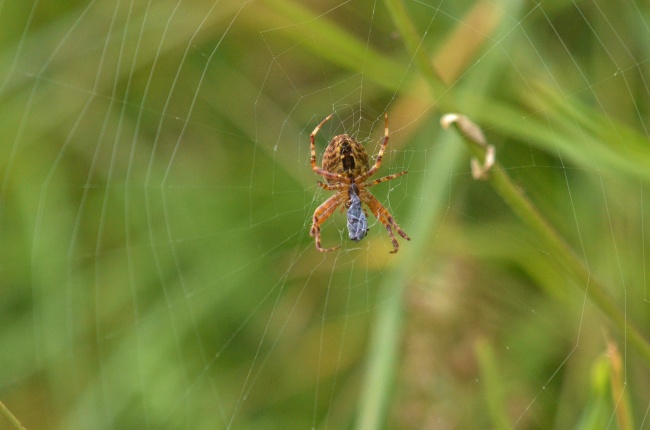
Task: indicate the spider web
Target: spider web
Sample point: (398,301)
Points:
(157,194)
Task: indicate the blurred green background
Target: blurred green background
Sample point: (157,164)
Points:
(156,198)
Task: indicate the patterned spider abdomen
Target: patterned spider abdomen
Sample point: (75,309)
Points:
(346,156)
(357,221)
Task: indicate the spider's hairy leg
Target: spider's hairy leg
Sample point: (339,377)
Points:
(312,140)
(331,187)
(321,214)
(384,179)
(380,154)
(312,146)
(384,217)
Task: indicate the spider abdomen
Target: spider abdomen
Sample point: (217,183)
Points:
(346,156)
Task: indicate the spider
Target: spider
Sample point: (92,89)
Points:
(346,169)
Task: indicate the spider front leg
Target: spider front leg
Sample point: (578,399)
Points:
(380,154)
(384,217)
(321,214)
(312,146)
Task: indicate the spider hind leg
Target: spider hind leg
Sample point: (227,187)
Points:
(385,218)
(321,214)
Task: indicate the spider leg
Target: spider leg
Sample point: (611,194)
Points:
(321,214)
(312,146)
(331,187)
(380,154)
(384,179)
(384,217)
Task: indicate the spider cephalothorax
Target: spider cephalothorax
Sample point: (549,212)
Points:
(346,168)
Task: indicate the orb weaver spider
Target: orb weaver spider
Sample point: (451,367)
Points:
(346,168)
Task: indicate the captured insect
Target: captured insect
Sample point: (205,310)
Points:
(345,166)
(357,221)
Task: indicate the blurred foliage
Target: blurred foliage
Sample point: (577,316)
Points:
(156,196)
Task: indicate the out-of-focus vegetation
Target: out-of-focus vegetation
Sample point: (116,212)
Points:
(156,197)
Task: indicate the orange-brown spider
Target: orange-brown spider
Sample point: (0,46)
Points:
(346,168)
